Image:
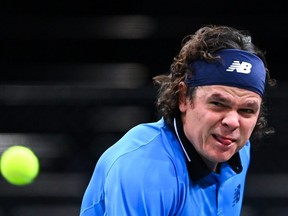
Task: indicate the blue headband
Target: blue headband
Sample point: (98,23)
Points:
(236,68)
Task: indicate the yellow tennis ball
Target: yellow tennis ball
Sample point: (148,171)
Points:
(19,165)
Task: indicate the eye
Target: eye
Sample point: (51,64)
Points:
(216,103)
(247,111)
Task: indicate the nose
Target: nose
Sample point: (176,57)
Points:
(231,120)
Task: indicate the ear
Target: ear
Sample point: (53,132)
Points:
(182,99)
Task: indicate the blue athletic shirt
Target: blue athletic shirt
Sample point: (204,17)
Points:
(147,173)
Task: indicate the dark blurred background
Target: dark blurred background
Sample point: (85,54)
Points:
(76,76)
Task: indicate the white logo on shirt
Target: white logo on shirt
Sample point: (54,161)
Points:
(244,67)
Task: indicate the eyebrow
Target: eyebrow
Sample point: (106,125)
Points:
(219,97)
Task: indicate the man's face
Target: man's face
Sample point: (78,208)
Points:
(219,120)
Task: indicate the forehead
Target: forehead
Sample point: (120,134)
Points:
(227,93)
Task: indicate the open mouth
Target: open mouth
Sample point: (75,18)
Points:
(223,140)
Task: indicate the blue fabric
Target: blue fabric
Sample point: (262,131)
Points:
(236,68)
(145,173)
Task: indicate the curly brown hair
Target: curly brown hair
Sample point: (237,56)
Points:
(201,45)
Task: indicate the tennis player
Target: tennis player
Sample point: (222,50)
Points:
(194,159)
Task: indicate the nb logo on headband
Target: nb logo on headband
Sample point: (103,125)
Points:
(244,67)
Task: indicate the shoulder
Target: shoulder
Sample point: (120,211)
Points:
(143,142)
(245,155)
(146,162)
(145,150)
(245,151)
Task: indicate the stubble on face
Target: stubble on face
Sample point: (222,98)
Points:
(204,126)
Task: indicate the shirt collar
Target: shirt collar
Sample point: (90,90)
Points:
(197,169)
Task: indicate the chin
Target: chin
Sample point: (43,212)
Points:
(220,157)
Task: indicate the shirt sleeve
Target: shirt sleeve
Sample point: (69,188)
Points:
(143,187)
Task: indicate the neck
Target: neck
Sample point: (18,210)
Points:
(212,166)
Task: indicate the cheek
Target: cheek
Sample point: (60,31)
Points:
(197,123)
(194,118)
(246,130)
(252,127)
(198,117)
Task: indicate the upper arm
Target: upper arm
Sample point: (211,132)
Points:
(145,187)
